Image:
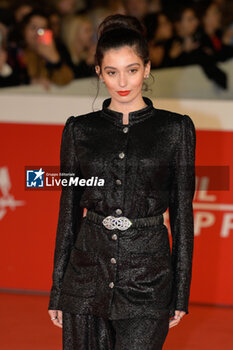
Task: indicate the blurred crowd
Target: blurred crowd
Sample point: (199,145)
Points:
(53,42)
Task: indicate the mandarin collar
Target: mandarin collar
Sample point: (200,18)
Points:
(134,116)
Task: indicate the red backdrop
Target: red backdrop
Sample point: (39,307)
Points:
(28,219)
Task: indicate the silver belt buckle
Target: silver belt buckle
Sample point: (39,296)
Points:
(121,223)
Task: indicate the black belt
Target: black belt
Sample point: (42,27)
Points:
(123,223)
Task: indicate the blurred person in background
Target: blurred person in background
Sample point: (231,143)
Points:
(36,62)
(98,11)
(226,8)
(4,32)
(214,41)
(19,11)
(187,45)
(77,34)
(159,33)
(68,7)
(172,41)
(211,21)
(186,26)
(228,35)
(55,20)
(137,8)
(116,6)
(5,69)
(155,6)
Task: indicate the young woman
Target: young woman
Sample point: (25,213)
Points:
(35,62)
(115,281)
(77,35)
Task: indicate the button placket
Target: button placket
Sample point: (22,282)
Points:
(119,182)
(118,211)
(122,155)
(114,237)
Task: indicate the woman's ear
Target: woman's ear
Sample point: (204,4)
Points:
(147,68)
(97,70)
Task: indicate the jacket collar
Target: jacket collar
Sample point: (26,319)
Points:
(134,117)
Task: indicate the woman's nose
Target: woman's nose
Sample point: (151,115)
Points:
(122,80)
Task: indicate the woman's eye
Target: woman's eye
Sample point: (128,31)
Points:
(110,73)
(133,70)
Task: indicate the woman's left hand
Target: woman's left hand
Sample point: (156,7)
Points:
(176,319)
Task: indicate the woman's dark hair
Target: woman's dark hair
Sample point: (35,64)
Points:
(176,16)
(33,13)
(25,22)
(117,31)
(151,22)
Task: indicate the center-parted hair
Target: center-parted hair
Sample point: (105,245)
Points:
(119,30)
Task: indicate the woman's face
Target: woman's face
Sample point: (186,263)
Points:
(122,69)
(212,18)
(164,30)
(85,33)
(30,31)
(137,8)
(188,24)
(66,7)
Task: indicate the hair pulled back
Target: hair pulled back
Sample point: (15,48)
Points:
(119,30)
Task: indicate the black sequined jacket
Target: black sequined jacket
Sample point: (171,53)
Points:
(148,166)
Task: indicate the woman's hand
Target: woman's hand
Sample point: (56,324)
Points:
(56,317)
(49,52)
(176,319)
(176,49)
(189,44)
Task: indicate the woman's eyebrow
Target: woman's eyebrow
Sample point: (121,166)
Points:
(129,65)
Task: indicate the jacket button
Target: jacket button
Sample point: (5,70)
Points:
(111,284)
(121,155)
(114,237)
(118,182)
(126,129)
(118,211)
(113,260)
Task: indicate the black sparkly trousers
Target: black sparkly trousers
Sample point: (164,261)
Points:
(91,332)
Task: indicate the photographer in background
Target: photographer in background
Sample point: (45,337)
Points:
(36,59)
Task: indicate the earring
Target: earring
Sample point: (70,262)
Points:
(147,76)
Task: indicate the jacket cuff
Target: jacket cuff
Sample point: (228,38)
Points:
(54,299)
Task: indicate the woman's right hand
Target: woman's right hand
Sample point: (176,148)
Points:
(49,52)
(58,320)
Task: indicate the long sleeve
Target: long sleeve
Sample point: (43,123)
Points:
(181,212)
(69,212)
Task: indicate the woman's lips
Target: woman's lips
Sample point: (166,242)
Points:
(123,93)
